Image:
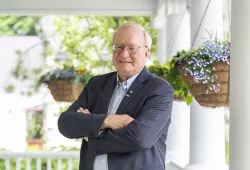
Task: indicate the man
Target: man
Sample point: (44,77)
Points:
(122,116)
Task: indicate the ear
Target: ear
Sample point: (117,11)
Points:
(147,52)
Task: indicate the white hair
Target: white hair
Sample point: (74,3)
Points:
(147,37)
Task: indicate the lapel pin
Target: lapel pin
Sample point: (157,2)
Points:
(127,95)
(131,92)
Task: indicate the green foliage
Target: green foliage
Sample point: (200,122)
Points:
(180,88)
(168,72)
(158,69)
(18,25)
(35,126)
(47,48)
(20,72)
(10,88)
(64,148)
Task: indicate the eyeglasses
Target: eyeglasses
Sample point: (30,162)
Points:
(132,49)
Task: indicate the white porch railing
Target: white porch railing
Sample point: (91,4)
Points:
(69,156)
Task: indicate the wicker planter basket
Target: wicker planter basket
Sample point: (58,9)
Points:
(210,98)
(64,90)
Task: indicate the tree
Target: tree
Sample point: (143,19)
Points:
(89,38)
(18,25)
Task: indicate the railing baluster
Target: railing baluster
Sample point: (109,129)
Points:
(27,163)
(28,157)
(48,164)
(59,164)
(7,164)
(69,164)
(38,164)
(17,163)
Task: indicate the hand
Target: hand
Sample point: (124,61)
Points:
(117,121)
(85,111)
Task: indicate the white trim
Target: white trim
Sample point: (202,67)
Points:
(109,12)
(81,7)
(40,154)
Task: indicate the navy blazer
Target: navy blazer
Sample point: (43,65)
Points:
(138,146)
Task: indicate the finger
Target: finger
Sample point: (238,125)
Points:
(118,125)
(87,111)
(79,110)
(82,110)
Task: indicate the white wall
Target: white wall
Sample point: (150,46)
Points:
(13,106)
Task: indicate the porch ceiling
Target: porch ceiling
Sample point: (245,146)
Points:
(79,7)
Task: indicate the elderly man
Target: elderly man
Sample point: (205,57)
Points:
(123,117)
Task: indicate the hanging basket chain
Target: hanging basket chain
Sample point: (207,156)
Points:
(174,36)
(199,26)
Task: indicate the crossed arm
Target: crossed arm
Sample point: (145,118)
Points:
(111,121)
(143,132)
(82,123)
(122,132)
(74,124)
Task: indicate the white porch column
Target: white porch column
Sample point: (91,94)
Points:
(159,22)
(240,87)
(161,42)
(178,136)
(178,31)
(207,139)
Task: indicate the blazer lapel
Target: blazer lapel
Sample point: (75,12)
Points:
(134,89)
(108,91)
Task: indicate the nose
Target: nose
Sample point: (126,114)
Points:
(125,52)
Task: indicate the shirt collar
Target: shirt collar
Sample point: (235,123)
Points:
(126,84)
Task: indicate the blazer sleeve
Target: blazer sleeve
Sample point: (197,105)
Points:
(73,124)
(144,131)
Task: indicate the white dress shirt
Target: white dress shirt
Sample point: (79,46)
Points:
(101,161)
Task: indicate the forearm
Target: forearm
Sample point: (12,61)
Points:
(76,125)
(120,140)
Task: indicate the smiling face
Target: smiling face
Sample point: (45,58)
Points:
(127,64)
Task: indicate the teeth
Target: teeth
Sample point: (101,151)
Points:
(123,62)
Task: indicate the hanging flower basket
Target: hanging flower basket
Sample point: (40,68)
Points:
(208,97)
(64,90)
(66,82)
(205,71)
